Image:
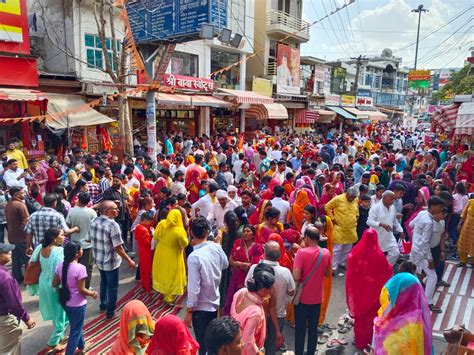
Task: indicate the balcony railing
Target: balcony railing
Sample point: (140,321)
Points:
(277,17)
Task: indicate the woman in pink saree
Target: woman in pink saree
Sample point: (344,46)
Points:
(421,204)
(301,184)
(367,272)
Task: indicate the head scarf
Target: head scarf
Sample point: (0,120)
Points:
(173,224)
(301,201)
(366,265)
(258,215)
(172,337)
(284,259)
(404,324)
(221,194)
(135,318)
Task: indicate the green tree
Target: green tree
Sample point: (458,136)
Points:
(460,83)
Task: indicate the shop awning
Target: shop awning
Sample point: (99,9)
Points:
(67,111)
(246,97)
(465,119)
(445,118)
(267,111)
(360,115)
(326,116)
(340,111)
(190,100)
(305,117)
(376,116)
(7,94)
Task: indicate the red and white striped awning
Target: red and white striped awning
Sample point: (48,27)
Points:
(445,118)
(465,119)
(245,97)
(304,118)
(190,100)
(7,94)
(267,112)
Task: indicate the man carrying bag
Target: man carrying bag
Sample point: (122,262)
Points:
(312,263)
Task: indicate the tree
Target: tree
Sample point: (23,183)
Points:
(459,83)
(117,65)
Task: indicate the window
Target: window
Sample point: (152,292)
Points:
(236,16)
(230,78)
(95,58)
(184,64)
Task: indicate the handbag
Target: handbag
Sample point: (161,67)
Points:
(32,273)
(299,288)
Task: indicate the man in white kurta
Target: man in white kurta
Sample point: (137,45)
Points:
(224,204)
(383,218)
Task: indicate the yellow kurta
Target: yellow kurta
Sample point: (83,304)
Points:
(466,237)
(169,272)
(19,157)
(344,215)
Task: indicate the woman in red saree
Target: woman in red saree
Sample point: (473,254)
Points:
(267,194)
(193,186)
(367,272)
(244,250)
(145,253)
(258,216)
(328,193)
(270,225)
(285,259)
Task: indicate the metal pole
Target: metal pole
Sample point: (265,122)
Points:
(151,116)
(417,38)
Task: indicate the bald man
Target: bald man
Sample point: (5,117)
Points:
(107,244)
(283,288)
(383,218)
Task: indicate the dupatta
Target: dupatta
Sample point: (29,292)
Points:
(403,325)
(172,337)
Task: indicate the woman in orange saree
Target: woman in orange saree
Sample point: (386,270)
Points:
(301,201)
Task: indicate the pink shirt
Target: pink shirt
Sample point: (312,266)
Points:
(304,260)
(75,272)
(252,322)
(459,202)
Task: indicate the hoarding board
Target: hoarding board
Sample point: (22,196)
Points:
(288,69)
(161,20)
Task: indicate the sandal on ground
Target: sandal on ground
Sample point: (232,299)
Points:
(336,342)
(337,350)
(55,349)
(342,329)
(323,338)
(435,309)
(328,326)
(342,341)
(64,340)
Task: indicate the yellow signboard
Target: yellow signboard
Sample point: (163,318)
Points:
(262,86)
(415,75)
(348,100)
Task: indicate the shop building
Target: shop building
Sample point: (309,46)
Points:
(278,34)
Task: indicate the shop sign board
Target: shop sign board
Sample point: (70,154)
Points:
(364,98)
(419,75)
(348,100)
(262,86)
(188,83)
(288,69)
(11,29)
(159,20)
(332,100)
(319,73)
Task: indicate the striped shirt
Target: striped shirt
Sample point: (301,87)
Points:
(105,235)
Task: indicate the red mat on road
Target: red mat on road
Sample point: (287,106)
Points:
(100,333)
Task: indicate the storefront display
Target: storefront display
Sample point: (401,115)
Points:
(230,78)
(224,120)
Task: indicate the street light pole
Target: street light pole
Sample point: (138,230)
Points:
(418,10)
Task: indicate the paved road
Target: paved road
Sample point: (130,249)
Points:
(34,340)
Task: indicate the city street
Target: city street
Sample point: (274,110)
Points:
(35,340)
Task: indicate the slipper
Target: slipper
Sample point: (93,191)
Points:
(64,341)
(325,331)
(337,350)
(323,338)
(342,330)
(342,341)
(329,326)
(336,342)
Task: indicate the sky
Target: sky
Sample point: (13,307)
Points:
(366,27)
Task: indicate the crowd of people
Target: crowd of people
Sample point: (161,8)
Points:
(250,230)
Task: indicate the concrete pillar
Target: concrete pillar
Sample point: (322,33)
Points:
(242,121)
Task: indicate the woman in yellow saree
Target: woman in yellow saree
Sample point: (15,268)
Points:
(325,226)
(169,272)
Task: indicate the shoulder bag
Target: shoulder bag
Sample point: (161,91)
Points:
(300,286)
(32,273)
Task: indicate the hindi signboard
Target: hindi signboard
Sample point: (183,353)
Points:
(188,83)
(160,20)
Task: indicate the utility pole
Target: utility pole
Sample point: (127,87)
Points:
(418,10)
(360,60)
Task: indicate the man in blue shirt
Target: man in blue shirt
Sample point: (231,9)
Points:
(359,169)
(296,161)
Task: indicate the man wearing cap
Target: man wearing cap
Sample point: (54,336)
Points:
(12,312)
(223,205)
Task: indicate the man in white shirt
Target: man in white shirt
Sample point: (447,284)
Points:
(224,204)
(178,166)
(283,289)
(275,154)
(177,186)
(383,218)
(15,176)
(280,204)
(221,157)
(203,206)
(340,157)
(397,144)
(237,167)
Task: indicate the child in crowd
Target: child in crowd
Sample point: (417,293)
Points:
(364,208)
(71,276)
(143,236)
